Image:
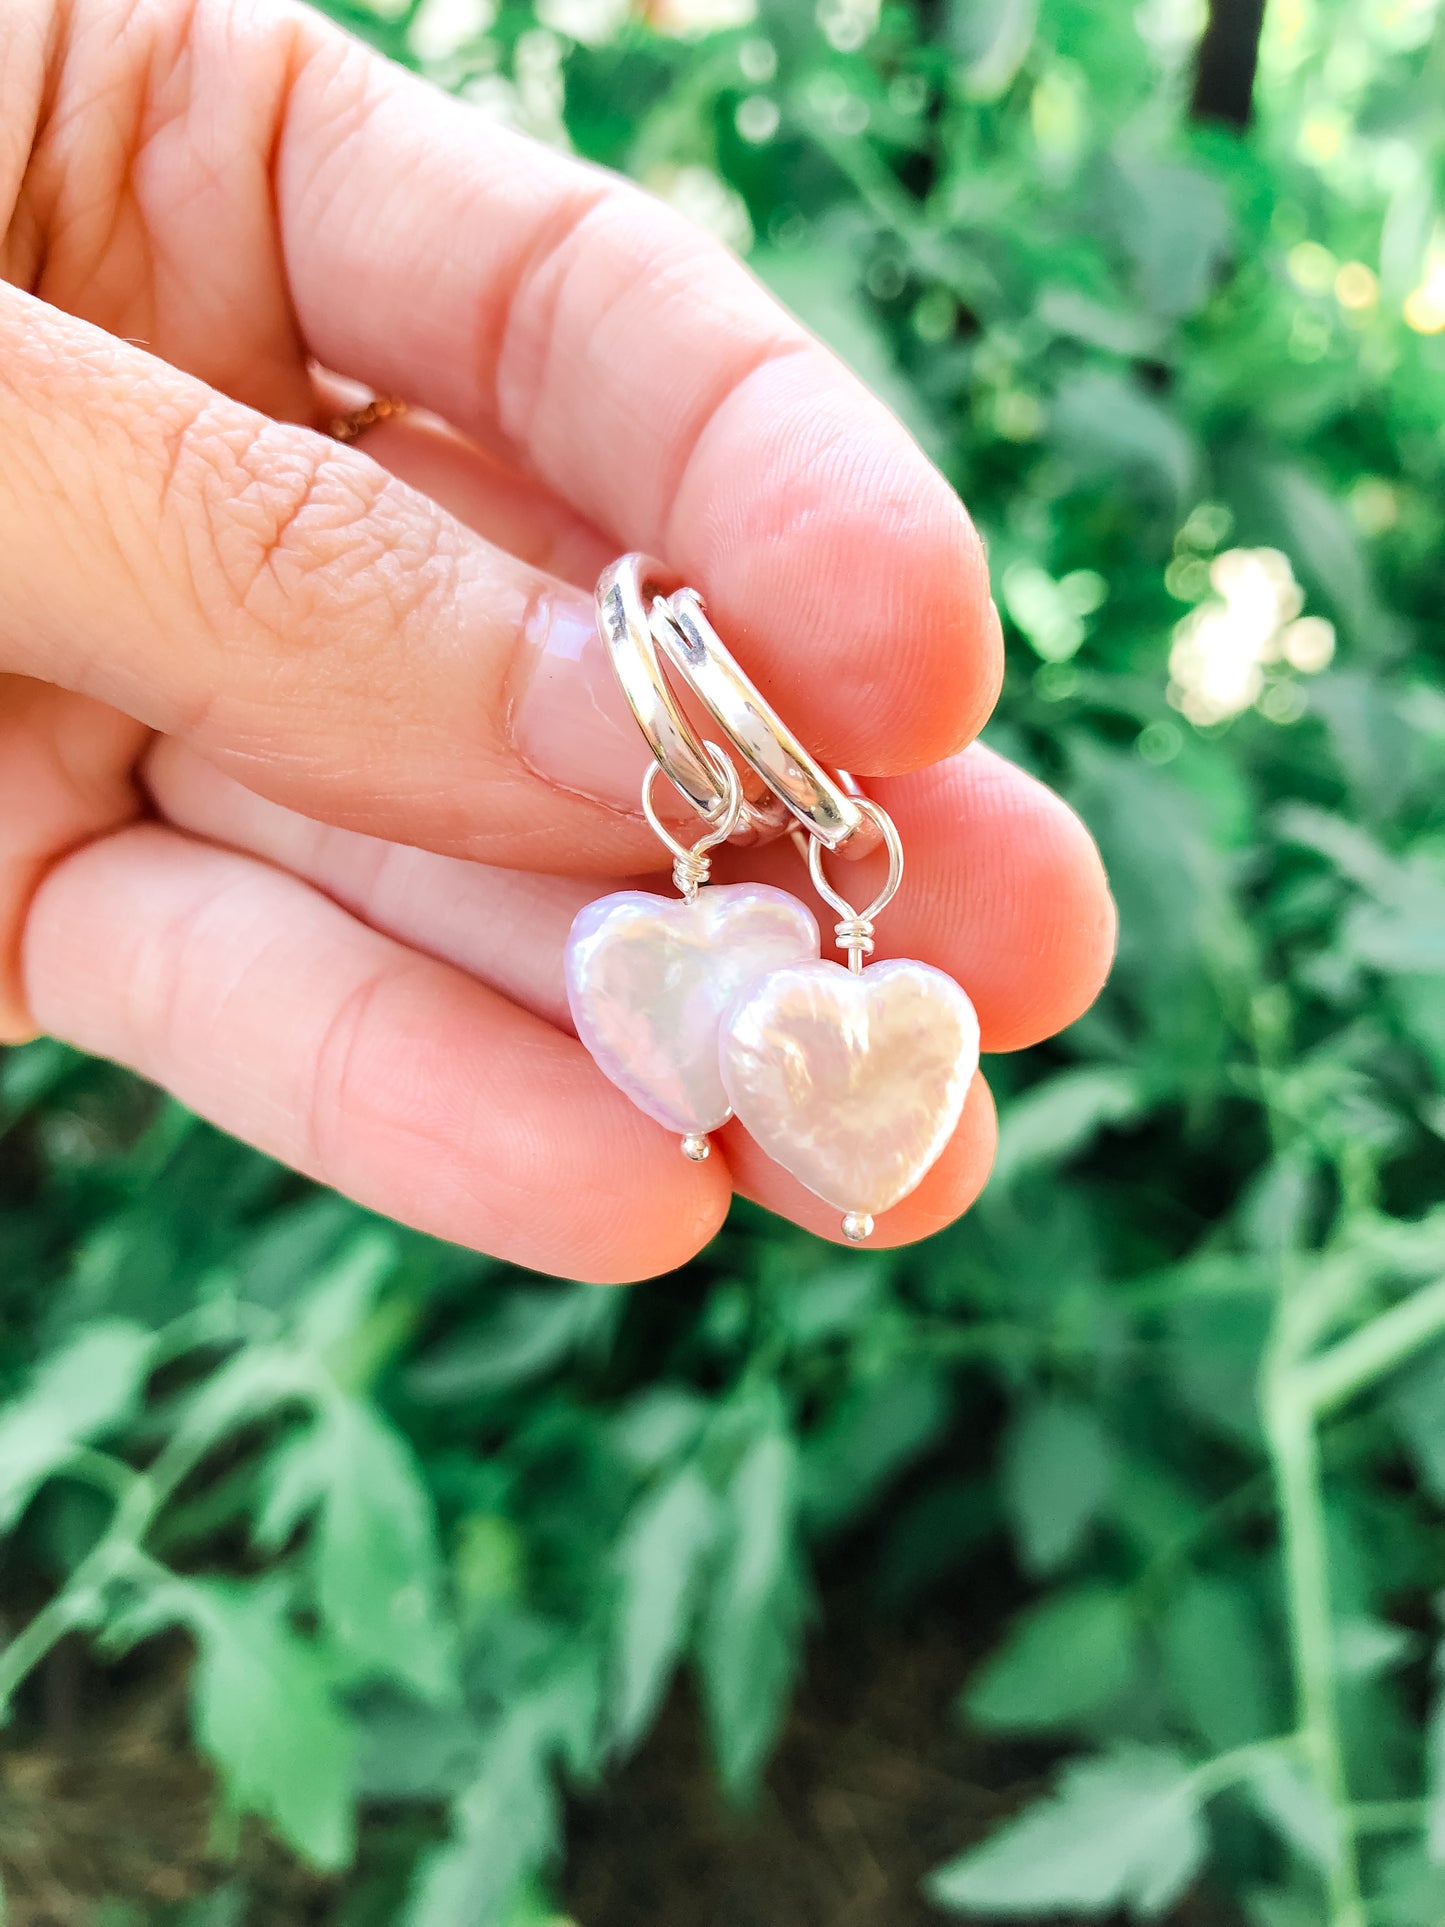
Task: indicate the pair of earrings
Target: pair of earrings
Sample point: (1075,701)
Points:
(717,1003)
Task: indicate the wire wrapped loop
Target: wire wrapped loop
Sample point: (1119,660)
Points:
(691,864)
(854,930)
(690,871)
(855,935)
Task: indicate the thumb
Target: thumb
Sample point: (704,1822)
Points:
(326,633)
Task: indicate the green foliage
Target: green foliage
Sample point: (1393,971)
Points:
(1066,1658)
(264,1712)
(1124,1830)
(1057,1473)
(439,1538)
(77,1394)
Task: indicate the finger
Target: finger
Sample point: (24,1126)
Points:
(1026,923)
(318,627)
(389,1076)
(1002,888)
(64,777)
(511,509)
(634,367)
(505,927)
(510,929)
(946,1192)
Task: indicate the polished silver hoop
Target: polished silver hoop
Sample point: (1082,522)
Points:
(641,610)
(821,803)
(625,593)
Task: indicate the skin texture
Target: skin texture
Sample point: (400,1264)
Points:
(262,832)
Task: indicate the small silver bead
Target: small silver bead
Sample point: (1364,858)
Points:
(696,1147)
(857,1226)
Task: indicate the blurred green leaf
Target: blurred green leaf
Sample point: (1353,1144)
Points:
(1123,1830)
(373,1552)
(753,1611)
(886,1424)
(661,1562)
(1435,1774)
(992,38)
(1218,1660)
(1104,426)
(263,1710)
(77,1394)
(1290,1800)
(529,1333)
(504,1824)
(1174,223)
(1058,1467)
(1062,1115)
(1065,1659)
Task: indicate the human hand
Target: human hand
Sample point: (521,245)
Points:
(307,753)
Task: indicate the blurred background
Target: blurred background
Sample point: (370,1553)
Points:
(1082,1561)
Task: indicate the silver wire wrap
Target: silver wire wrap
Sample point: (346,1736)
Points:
(854,929)
(691,864)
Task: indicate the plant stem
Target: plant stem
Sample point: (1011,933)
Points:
(1294,1450)
(135,1503)
(1390,1816)
(140,1497)
(25,1652)
(1227,1769)
(1373,1350)
(1289,1425)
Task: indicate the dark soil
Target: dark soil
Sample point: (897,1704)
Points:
(875,1782)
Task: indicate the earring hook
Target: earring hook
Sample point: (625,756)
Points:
(691,864)
(854,930)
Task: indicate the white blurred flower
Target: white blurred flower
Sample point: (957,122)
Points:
(1215,665)
(441,27)
(1222,649)
(848,24)
(691,19)
(757,117)
(1309,644)
(594,22)
(707,199)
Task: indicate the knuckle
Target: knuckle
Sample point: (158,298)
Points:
(297,537)
(335,1087)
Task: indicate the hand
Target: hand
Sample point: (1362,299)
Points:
(306,755)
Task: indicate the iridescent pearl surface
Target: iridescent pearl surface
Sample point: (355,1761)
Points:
(648,979)
(853,1082)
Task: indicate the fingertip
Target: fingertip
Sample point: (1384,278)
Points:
(947,1190)
(845,570)
(685,1205)
(1043,891)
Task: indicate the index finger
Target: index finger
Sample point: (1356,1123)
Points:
(645,375)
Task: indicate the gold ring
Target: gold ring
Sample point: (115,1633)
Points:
(351,426)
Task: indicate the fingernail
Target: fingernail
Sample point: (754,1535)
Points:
(567,717)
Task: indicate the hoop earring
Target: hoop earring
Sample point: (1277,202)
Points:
(853,1079)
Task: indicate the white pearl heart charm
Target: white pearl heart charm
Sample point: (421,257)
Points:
(648,980)
(852,1080)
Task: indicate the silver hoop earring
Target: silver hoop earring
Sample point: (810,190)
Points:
(853,1079)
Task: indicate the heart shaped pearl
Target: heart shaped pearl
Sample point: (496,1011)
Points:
(648,979)
(854,1082)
